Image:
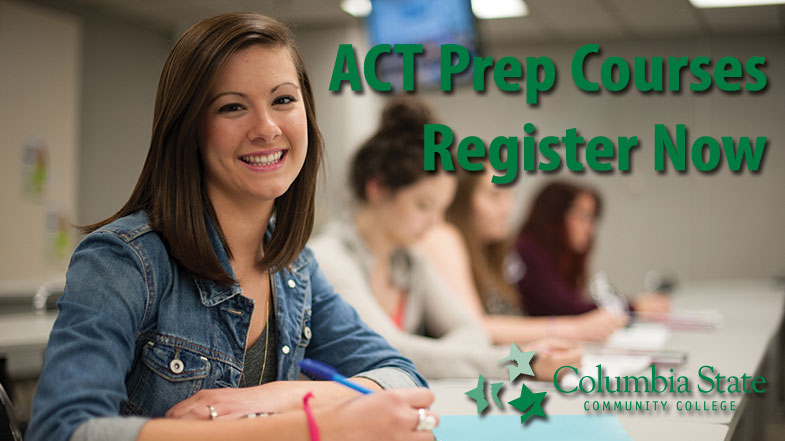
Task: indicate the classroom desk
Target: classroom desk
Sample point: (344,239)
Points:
(752,310)
(655,430)
(23,338)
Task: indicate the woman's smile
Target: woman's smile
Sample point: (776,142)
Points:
(266,160)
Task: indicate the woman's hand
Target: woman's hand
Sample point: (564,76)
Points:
(383,416)
(596,325)
(552,354)
(652,303)
(274,397)
(236,402)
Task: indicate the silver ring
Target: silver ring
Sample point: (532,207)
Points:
(213,413)
(425,421)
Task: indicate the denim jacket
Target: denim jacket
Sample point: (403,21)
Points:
(135,334)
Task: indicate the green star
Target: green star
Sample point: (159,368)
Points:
(521,361)
(531,401)
(478,395)
(495,388)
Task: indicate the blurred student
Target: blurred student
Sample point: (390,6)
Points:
(555,244)
(197,300)
(369,258)
(473,254)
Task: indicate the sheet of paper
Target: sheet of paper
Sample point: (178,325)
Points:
(509,428)
(697,320)
(640,336)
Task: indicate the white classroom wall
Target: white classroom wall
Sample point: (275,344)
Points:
(39,104)
(698,226)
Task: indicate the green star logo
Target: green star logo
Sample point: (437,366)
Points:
(478,395)
(521,363)
(529,403)
(495,388)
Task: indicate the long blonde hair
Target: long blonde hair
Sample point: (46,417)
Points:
(487,258)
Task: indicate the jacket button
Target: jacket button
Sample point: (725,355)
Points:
(176,366)
(307,332)
(285,349)
(290,283)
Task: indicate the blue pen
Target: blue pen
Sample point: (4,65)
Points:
(320,370)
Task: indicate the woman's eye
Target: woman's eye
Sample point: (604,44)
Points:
(234,107)
(287,99)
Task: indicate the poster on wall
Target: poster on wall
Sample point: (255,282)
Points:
(35,168)
(58,237)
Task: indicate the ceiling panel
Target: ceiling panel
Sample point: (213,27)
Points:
(757,19)
(554,20)
(514,29)
(663,17)
(571,19)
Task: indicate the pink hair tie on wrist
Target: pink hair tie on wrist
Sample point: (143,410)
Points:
(312,427)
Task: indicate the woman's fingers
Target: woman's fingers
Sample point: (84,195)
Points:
(196,406)
(430,422)
(416,397)
(190,410)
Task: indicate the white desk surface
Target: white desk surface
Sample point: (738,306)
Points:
(26,330)
(652,429)
(752,312)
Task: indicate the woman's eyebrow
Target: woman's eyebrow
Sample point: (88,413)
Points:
(296,86)
(227,93)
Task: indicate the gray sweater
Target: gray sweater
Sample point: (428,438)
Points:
(461,348)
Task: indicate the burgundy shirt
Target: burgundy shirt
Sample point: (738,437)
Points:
(544,292)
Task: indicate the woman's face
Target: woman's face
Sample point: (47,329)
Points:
(491,209)
(580,222)
(254,137)
(410,212)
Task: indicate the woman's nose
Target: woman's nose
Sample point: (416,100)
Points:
(264,128)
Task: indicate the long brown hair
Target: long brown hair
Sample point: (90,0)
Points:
(171,188)
(486,258)
(546,225)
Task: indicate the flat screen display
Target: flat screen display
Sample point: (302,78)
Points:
(427,22)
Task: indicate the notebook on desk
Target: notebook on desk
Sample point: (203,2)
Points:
(509,428)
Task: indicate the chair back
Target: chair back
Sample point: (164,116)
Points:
(9,429)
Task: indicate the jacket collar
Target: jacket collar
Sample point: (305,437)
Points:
(213,294)
(210,292)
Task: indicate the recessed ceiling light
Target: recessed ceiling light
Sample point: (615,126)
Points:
(357,8)
(499,8)
(733,3)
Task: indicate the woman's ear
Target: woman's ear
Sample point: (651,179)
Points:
(374,190)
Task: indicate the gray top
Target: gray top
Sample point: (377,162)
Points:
(461,347)
(258,358)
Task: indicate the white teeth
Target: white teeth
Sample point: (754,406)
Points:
(260,160)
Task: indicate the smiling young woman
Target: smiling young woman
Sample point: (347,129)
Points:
(198,298)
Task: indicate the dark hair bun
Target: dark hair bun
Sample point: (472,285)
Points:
(405,114)
(394,154)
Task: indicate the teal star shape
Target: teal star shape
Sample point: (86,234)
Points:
(495,388)
(529,403)
(478,395)
(521,361)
